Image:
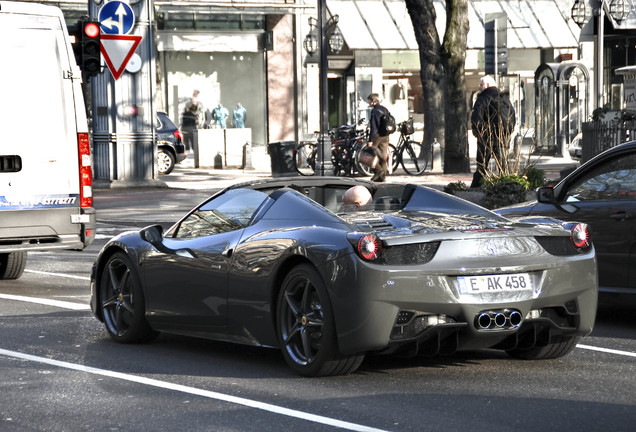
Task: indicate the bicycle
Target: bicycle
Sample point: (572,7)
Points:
(346,144)
(305,158)
(415,160)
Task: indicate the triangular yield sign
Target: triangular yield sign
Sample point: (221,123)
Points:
(117,50)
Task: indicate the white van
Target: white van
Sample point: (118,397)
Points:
(46,199)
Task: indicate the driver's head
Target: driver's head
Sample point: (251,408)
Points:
(356,195)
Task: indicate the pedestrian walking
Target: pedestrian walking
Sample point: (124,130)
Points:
(492,121)
(379,130)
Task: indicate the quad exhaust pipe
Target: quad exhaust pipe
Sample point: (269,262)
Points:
(498,319)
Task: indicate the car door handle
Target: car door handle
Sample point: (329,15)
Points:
(619,216)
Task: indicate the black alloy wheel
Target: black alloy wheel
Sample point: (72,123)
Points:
(306,329)
(122,302)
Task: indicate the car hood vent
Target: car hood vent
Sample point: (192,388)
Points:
(375,224)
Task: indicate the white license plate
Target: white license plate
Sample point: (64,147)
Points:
(494,283)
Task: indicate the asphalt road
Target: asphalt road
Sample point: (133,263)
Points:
(61,372)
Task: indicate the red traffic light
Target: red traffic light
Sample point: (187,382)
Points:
(91,29)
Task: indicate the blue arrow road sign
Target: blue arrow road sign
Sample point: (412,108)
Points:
(116,18)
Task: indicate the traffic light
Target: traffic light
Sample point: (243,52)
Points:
(91,54)
(496,44)
(86,45)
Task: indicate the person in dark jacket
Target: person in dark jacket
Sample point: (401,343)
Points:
(490,126)
(188,125)
(379,143)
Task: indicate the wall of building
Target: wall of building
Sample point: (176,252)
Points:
(281,79)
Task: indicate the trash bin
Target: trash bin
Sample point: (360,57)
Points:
(282,155)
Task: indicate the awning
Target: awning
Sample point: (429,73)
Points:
(386,24)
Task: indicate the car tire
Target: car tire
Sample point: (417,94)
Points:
(306,328)
(557,347)
(121,301)
(12,265)
(165,162)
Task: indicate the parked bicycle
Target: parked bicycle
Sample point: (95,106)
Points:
(346,143)
(305,158)
(408,153)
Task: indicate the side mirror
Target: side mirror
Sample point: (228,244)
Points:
(153,234)
(545,195)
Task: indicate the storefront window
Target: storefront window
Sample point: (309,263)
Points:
(223,80)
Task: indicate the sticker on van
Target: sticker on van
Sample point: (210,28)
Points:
(37,202)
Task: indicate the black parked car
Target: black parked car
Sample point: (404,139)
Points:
(417,271)
(602,194)
(170,148)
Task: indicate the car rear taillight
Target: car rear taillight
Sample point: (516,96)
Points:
(369,247)
(177,134)
(86,173)
(579,234)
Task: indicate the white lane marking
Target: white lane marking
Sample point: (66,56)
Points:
(47,302)
(195,391)
(79,306)
(607,350)
(84,278)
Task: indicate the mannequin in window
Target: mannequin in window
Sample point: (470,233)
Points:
(240,115)
(220,114)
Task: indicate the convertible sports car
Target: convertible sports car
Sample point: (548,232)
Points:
(282,263)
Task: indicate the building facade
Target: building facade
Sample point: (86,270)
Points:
(249,54)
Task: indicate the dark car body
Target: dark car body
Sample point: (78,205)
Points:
(170,147)
(602,194)
(417,271)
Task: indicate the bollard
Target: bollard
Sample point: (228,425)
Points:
(247,157)
(218,161)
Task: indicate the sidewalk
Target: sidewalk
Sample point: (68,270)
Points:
(185,176)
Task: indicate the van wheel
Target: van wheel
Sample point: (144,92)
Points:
(165,162)
(12,265)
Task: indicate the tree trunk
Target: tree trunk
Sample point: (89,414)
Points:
(423,17)
(456,156)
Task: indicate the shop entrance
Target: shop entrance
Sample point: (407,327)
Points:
(561,105)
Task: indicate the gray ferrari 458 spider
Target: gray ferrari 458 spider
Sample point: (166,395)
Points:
(282,263)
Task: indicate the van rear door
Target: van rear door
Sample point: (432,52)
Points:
(42,127)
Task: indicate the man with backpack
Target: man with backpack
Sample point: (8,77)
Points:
(492,121)
(381,125)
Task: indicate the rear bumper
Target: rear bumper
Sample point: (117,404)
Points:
(46,229)
(390,310)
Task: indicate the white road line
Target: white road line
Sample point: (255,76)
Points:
(84,278)
(607,350)
(195,391)
(47,302)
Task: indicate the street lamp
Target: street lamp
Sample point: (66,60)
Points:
(579,12)
(313,44)
(618,10)
(336,41)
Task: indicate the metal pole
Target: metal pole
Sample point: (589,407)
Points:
(324,165)
(600,41)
